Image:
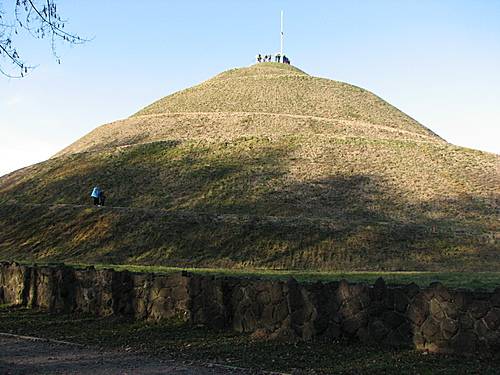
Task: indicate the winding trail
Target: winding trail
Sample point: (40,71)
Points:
(430,138)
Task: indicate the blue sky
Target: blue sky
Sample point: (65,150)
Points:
(436,60)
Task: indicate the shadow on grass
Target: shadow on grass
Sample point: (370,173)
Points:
(233,205)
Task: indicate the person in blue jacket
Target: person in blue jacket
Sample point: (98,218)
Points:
(96,194)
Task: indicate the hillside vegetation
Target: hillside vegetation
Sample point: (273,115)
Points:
(265,100)
(216,176)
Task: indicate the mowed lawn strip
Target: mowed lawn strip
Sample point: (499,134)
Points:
(470,280)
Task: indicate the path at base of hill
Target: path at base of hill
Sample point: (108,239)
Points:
(23,356)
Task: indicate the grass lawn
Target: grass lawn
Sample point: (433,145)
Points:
(471,280)
(170,339)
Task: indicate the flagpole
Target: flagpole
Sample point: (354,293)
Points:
(281,47)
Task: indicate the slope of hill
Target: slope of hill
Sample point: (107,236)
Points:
(261,166)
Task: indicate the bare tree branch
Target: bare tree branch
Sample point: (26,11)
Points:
(41,19)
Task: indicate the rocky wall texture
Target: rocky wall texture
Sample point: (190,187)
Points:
(434,318)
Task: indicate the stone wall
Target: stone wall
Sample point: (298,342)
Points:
(434,318)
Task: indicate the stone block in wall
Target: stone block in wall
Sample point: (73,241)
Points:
(486,337)
(466,321)
(389,299)
(463,342)
(167,297)
(14,279)
(378,330)
(379,289)
(492,318)
(343,290)
(302,310)
(357,299)
(350,325)
(93,292)
(143,299)
(122,290)
(418,310)
(436,309)
(324,298)
(244,311)
(399,337)
(441,293)
(207,301)
(280,312)
(449,328)
(495,298)
(418,340)
(155,297)
(51,288)
(430,328)
(451,309)
(107,296)
(393,319)
(273,311)
(478,308)
(411,290)
(401,300)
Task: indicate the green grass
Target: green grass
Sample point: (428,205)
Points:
(261,190)
(171,339)
(256,202)
(189,239)
(470,280)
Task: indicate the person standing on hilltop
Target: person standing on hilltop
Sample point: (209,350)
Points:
(277,58)
(95,195)
(259,58)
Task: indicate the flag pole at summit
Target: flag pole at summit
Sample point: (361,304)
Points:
(281,46)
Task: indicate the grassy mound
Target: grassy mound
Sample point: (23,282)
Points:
(265,167)
(259,202)
(253,90)
(216,126)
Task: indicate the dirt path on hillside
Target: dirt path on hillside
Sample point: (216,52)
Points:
(25,356)
(430,137)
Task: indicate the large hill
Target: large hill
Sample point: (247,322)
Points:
(261,166)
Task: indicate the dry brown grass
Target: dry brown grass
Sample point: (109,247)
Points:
(219,126)
(254,90)
(365,186)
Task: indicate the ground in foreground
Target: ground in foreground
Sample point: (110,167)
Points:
(45,357)
(177,341)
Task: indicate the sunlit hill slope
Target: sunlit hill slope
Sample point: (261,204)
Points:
(263,166)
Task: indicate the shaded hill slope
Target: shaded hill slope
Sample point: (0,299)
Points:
(380,205)
(114,235)
(203,181)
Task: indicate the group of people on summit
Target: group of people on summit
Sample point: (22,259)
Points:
(268,58)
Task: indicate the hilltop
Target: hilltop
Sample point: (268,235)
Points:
(267,99)
(262,166)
